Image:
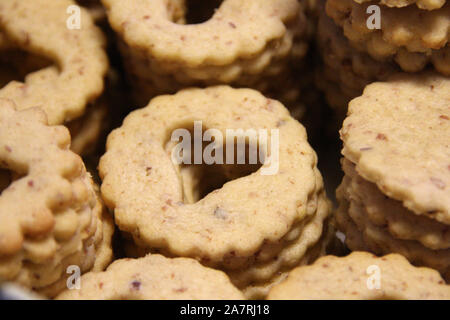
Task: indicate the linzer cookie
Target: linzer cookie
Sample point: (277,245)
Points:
(255,222)
(355,220)
(64,88)
(345,70)
(51,216)
(411,36)
(346,278)
(155,277)
(243,42)
(395,190)
(299,253)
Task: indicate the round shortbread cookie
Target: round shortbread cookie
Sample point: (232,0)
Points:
(63,90)
(242,43)
(259,290)
(290,255)
(385,212)
(155,277)
(50,213)
(349,277)
(231,223)
(355,69)
(397,134)
(411,36)
(378,239)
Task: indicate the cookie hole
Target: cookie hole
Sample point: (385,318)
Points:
(7,177)
(199,11)
(16,64)
(200,179)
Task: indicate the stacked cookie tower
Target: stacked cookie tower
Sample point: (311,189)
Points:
(365,41)
(51,215)
(253,225)
(347,279)
(63,70)
(242,43)
(395,193)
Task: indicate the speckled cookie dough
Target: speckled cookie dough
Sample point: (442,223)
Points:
(63,90)
(96,257)
(411,36)
(367,236)
(248,219)
(411,166)
(51,216)
(260,289)
(349,68)
(346,278)
(84,131)
(243,42)
(384,212)
(344,71)
(155,277)
(290,255)
(396,151)
(422,4)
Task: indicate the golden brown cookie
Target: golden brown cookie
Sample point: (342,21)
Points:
(241,44)
(349,68)
(238,227)
(51,216)
(367,236)
(413,37)
(394,196)
(353,277)
(260,289)
(155,277)
(384,212)
(64,88)
(408,162)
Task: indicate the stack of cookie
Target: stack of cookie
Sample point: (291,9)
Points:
(362,276)
(395,193)
(365,41)
(155,277)
(253,223)
(51,216)
(243,43)
(56,68)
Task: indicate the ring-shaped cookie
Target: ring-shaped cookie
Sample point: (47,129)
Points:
(227,36)
(155,277)
(410,36)
(41,27)
(141,183)
(50,214)
(355,277)
(244,43)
